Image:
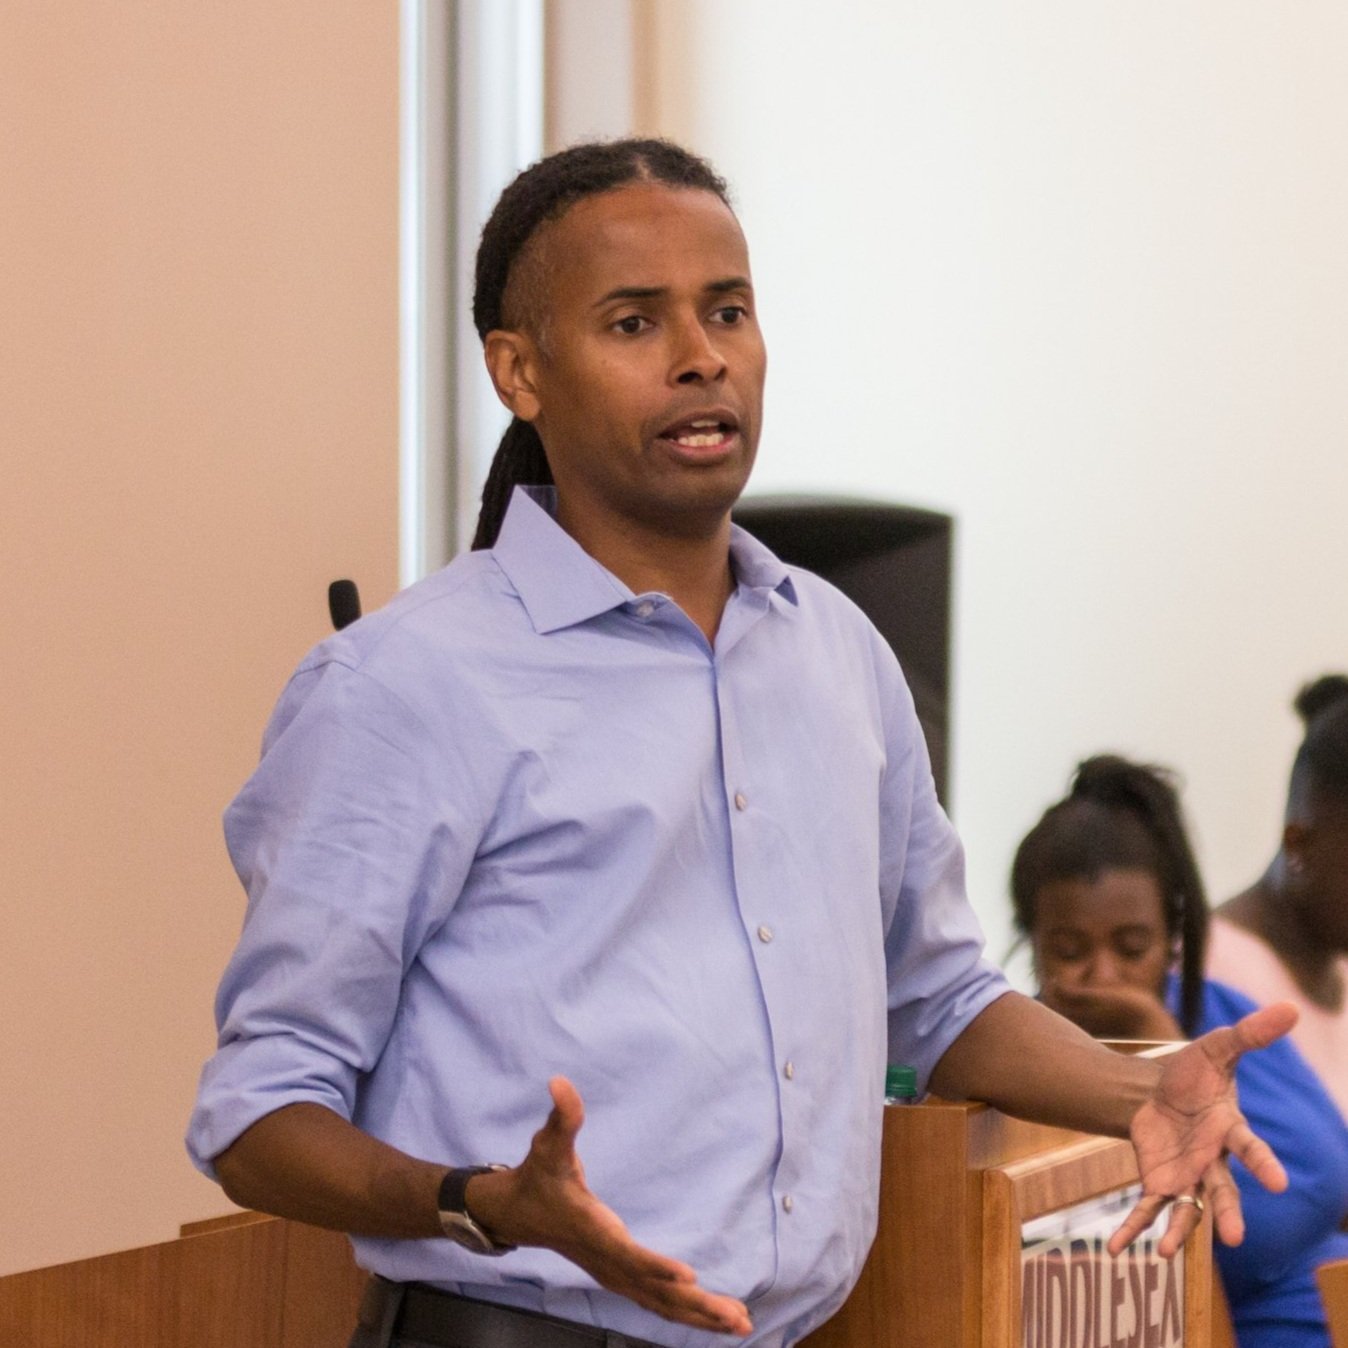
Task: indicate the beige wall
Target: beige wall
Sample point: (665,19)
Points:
(198,412)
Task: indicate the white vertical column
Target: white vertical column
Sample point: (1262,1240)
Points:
(426,467)
(472,117)
(499,130)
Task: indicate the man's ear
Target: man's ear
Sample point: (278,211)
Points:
(512,360)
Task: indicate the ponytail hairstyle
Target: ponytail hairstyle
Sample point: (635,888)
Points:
(1320,769)
(1120,815)
(542,193)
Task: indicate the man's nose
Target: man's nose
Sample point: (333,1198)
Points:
(697,359)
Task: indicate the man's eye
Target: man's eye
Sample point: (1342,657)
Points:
(732,314)
(632,325)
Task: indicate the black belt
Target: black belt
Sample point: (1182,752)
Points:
(428,1315)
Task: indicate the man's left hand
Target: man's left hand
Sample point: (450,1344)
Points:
(1184,1132)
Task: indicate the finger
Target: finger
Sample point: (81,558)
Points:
(1144,1213)
(660,1284)
(555,1141)
(1260,1028)
(567,1106)
(611,1249)
(1257,1157)
(1224,1200)
(723,1314)
(1185,1219)
(694,1305)
(1257,1030)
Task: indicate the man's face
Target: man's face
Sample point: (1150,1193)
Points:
(646,378)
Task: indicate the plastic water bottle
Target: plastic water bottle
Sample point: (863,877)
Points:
(900,1084)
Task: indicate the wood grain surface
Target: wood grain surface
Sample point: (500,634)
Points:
(245,1281)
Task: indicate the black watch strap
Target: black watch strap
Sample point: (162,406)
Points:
(452,1199)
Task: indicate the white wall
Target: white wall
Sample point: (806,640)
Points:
(1075,272)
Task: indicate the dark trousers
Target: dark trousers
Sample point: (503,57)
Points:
(407,1315)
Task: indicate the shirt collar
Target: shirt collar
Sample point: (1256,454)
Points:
(560,584)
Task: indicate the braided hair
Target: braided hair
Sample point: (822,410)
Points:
(1120,815)
(542,193)
(1320,768)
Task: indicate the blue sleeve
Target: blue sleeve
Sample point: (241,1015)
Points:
(352,845)
(938,977)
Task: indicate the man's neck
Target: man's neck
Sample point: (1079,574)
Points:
(693,568)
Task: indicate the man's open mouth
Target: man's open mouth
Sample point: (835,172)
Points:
(700,432)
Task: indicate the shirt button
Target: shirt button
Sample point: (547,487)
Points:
(789,1071)
(741,801)
(788,1203)
(765,934)
(645,609)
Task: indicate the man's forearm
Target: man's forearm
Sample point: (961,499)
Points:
(1029,1061)
(307,1163)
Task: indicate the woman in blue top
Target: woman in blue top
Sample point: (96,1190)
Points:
(1106,890)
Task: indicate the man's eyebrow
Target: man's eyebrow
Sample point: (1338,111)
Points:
(630,293)
(722,287)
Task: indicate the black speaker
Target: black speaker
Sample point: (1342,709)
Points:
(894,563)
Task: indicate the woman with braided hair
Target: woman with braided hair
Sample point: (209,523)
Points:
(1106,890)
(1285,938)
(1114,847)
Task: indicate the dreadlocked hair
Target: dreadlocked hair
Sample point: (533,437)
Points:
(542,193)
(1121,815)
(1321,763)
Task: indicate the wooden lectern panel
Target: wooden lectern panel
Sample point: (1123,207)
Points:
(1333,1281)
(909,1294)
(245,1281)
(958,1184)
(215,1290)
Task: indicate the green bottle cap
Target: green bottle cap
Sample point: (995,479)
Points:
(900,1082)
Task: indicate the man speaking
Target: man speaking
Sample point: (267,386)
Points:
(620,810)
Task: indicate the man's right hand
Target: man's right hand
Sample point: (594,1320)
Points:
(305,1162)
(545,1201)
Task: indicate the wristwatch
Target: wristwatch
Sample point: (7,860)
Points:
(454,1219)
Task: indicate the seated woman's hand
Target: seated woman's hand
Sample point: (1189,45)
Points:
(1113,1011)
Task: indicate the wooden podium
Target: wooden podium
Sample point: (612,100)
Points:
(957,1262)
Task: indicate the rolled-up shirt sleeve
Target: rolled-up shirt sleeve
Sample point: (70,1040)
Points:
(352,843)
(938,977)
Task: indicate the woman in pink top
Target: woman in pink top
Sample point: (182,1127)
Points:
(1286,937)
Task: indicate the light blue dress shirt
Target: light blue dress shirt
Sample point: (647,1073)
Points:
(523,822)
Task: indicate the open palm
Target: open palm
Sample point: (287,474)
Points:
(1183,1134)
